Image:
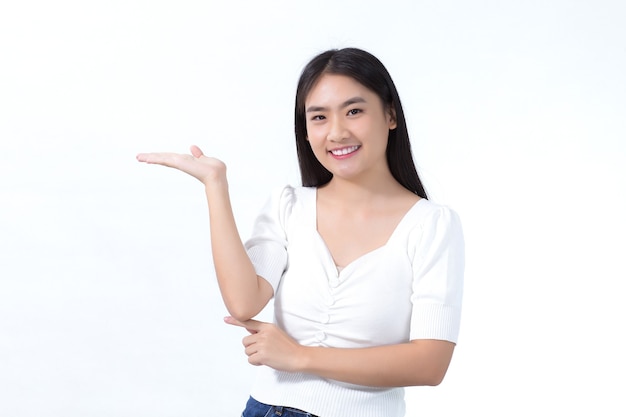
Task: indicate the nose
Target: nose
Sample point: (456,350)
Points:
(336,130)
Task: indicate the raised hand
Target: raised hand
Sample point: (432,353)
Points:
(198,165)
(268,345)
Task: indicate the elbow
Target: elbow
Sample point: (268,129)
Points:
(244,310)
(423,380)
(246,302)
(428,380)
(431,361)
(435,377)
(428,377)
(241,313)
(435,380)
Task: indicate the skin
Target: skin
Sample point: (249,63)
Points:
(341,115)
(244,293)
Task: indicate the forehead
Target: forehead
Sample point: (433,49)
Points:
(331,88)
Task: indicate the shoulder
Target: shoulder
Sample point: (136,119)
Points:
(434,223)
(428,212)
(283,200)
(288,195)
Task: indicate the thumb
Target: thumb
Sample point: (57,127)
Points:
(195,151)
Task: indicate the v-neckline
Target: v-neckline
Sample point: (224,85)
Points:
(339,269)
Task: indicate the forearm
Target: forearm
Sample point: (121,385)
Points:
(244,293)
(422,362)
(242,290)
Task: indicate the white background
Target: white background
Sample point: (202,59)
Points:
(108,302)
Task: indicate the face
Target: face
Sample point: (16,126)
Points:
(348,127)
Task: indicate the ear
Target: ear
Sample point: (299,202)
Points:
(393,123)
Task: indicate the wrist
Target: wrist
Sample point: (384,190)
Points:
(305,359)
(215,184)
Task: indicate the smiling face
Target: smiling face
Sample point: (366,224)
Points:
(348,128)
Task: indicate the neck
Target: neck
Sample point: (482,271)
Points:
(363,191)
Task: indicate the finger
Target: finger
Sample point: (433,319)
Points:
(248,341)
(155,158)
(196,152)
(253,326)
(143,157)
(252,353)
(233,321)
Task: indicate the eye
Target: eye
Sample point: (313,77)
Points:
(318,117)
(353,112)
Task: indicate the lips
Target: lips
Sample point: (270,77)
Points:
(344,151)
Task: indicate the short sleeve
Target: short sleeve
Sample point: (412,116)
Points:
(267,245)
(438,269)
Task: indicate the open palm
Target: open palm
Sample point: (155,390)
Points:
(196,164)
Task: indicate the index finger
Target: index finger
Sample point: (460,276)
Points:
(155,157)
(253,326)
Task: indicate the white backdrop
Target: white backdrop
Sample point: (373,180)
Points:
(108,302)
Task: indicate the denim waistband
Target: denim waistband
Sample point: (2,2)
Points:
(279,410)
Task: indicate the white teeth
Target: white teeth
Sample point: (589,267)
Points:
(344,151)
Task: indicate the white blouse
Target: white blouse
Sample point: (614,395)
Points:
(410,288)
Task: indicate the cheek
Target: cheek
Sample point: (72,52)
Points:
(317,146)
(380,132)
(315,135)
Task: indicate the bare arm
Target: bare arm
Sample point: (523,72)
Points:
(419,362)
(244,293)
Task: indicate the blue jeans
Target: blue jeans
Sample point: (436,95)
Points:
(257,409)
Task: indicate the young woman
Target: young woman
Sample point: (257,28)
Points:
(366,274)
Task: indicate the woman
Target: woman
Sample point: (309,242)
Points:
(366,274)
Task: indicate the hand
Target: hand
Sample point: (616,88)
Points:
(269,345)
(202,167)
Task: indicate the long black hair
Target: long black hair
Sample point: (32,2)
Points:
(366,69)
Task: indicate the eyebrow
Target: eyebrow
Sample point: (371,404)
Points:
(346,103)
